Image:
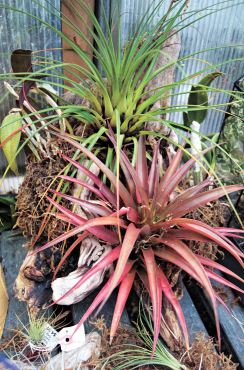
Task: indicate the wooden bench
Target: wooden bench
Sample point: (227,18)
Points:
(198,320)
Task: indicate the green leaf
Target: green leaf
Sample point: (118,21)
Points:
(186,119)
(199,97)
(209,78)
(10,134)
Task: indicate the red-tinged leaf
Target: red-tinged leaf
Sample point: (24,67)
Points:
(102,294)
(141,193)
(71,215)
(229,235)
(124,291)
(130,183)
(85,185)
(228,230)
(168,292)
(68,252)
(101,232)
(109,258)
(76,219)
(226,238)
(124,194)
(88,225)
(142,196)
(167,187)
(130,238)
(190,205)
(220,279)
(202,229)
(212,234)
(100,210)
(176,259)
(59,239)
(182,249)
(131,214)
(186,194)
(187,235)
(107,193)
(155,291)
(143,276)
(61,216)
(153,178)
(224,304)
(174,164)
(218,266)
(141,164)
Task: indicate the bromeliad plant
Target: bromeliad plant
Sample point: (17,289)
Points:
(120,78)
(144,213)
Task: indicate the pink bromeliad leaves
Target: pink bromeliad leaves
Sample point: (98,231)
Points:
(155,226)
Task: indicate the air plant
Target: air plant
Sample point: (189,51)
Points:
(116,81)
(145,214)
(134,356)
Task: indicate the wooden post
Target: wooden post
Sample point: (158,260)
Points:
(69,55)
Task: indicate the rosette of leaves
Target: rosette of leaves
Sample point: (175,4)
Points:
(117,79)
(144,213)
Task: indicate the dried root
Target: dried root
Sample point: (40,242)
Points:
(32,204)
(202,356)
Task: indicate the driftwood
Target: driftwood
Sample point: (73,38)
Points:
(31,284)
(91,251)
(169,54)
(170,329)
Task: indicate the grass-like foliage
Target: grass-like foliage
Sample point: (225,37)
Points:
(134,356)
(145,214)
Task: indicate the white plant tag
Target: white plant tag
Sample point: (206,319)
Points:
(49,340)
(69,340)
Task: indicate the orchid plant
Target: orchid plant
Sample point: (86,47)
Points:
(144,213)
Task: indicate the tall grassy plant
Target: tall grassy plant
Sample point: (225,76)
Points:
(120,85)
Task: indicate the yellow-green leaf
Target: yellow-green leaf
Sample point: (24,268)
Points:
(3,300)
(10,124)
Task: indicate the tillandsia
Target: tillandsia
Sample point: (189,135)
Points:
(143,212)
(138,352)
(119,78)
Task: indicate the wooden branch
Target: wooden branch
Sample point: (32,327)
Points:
(69,55)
